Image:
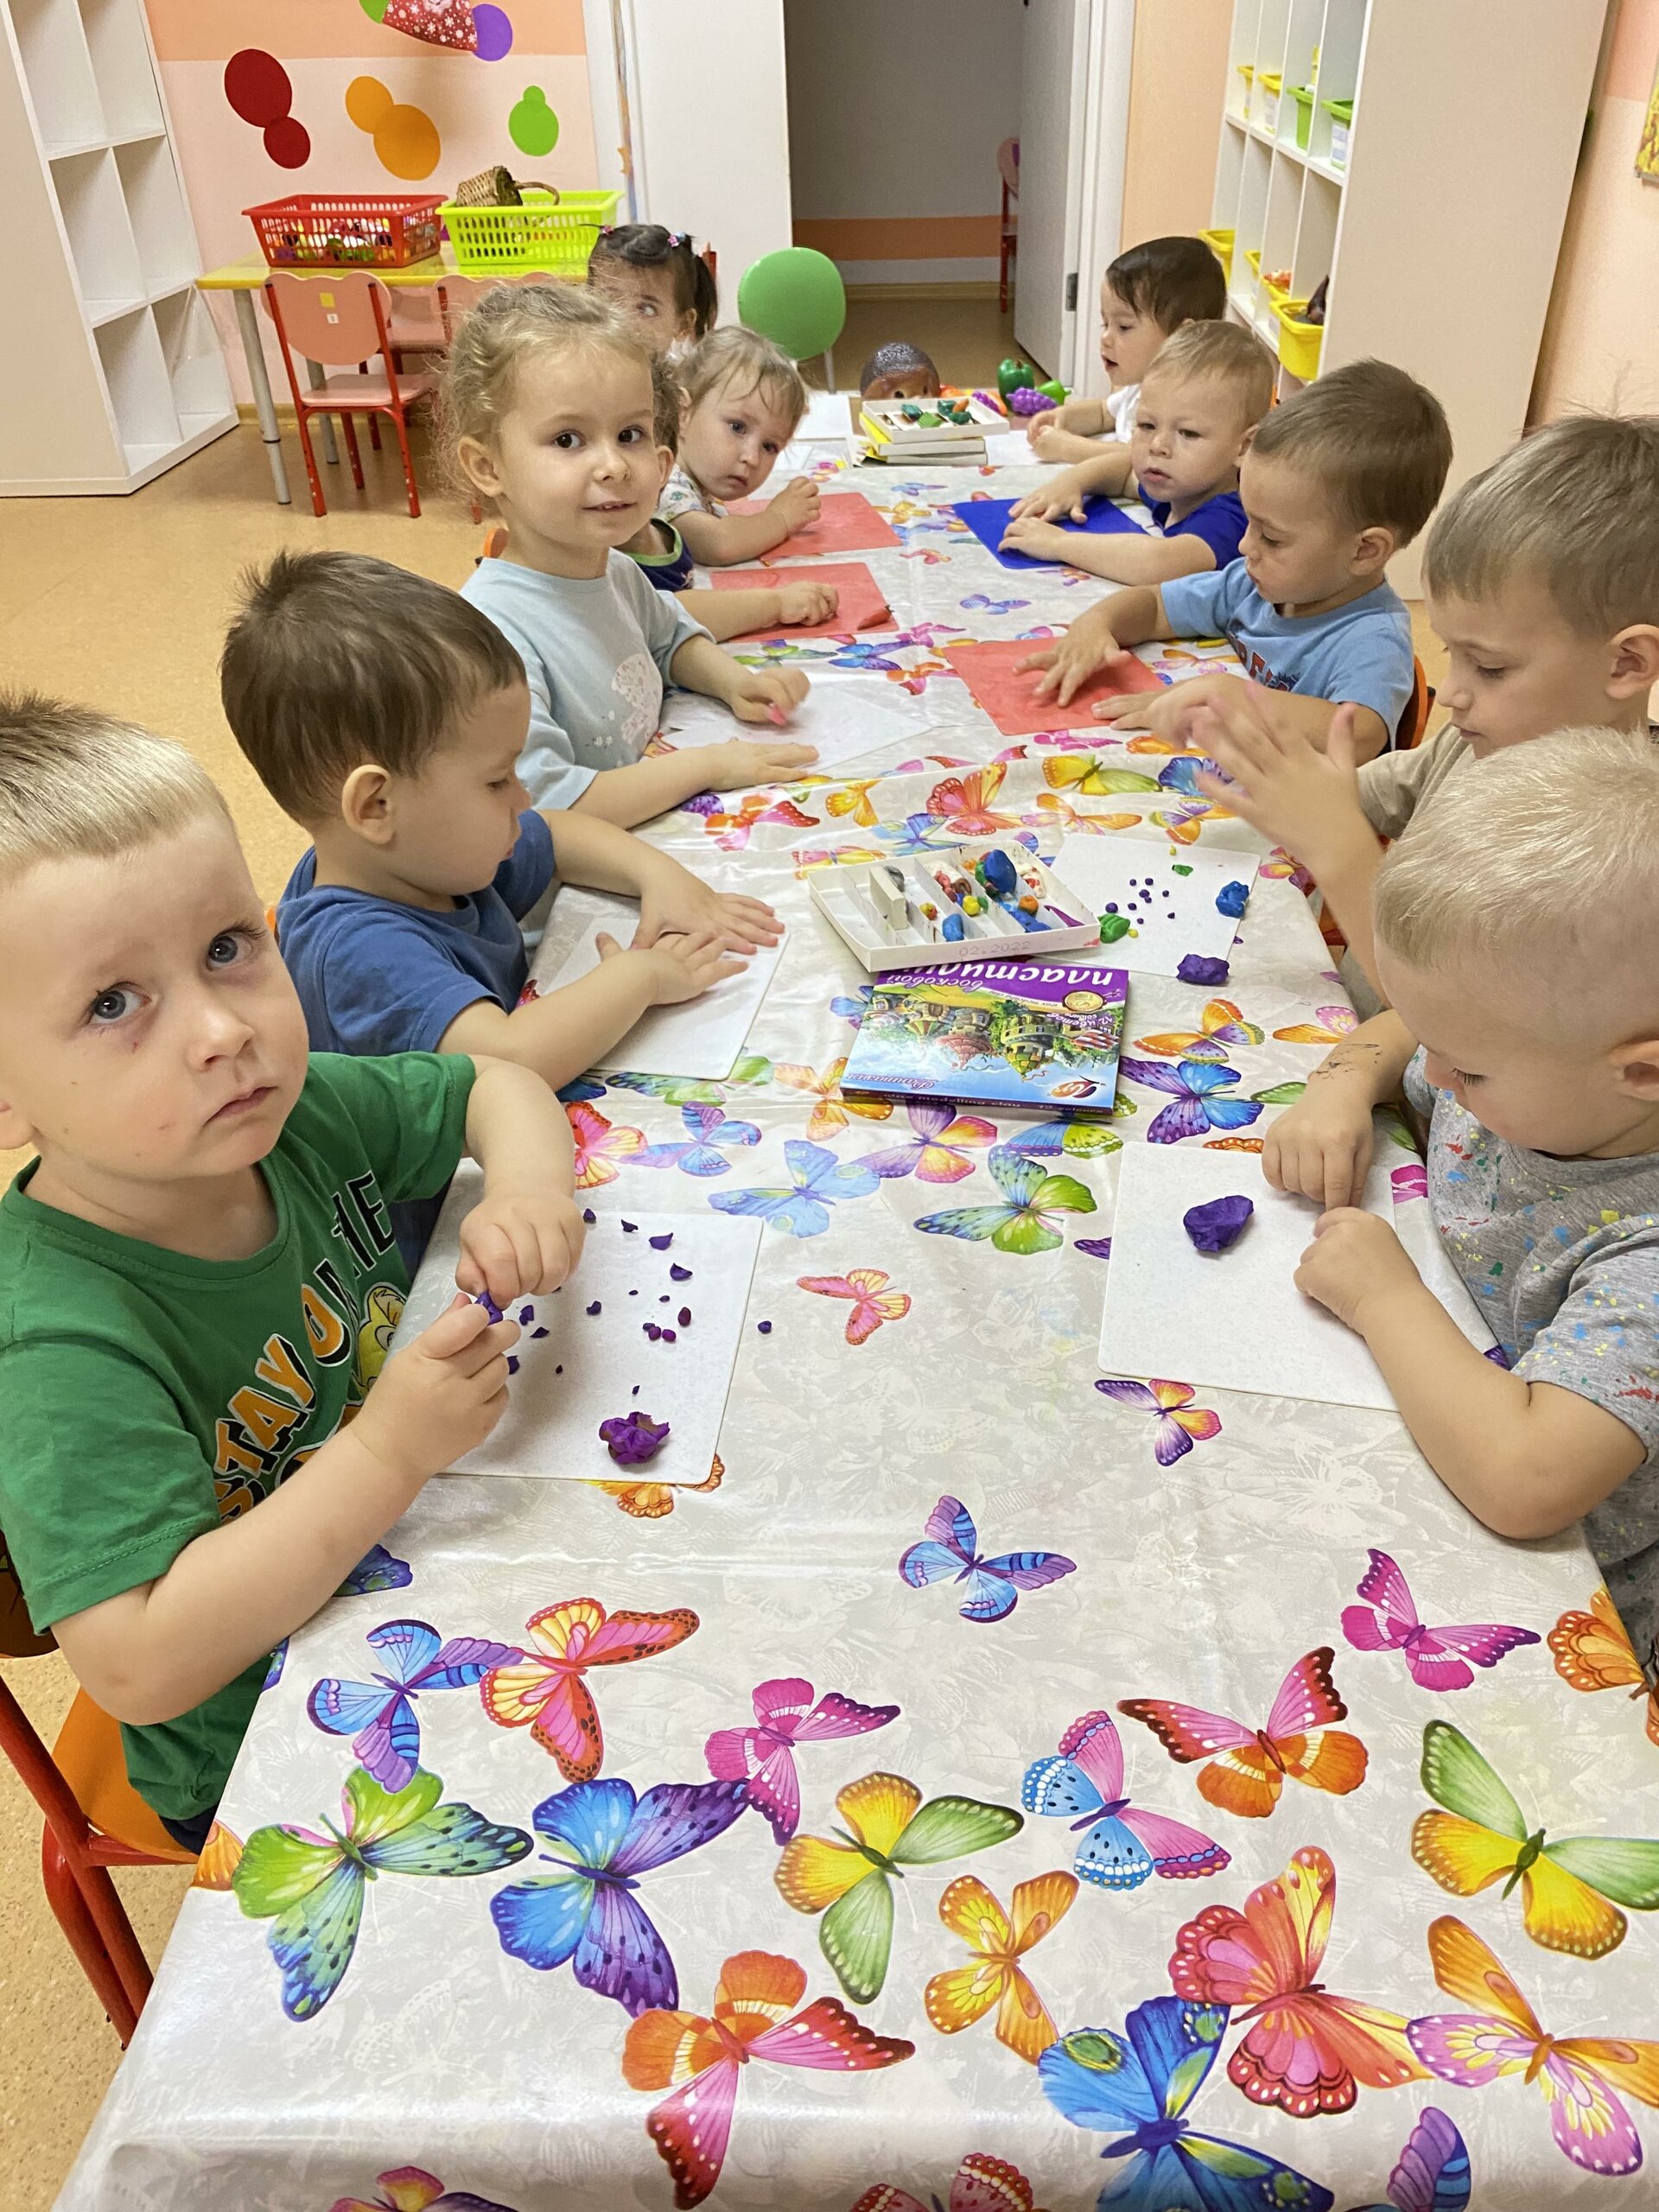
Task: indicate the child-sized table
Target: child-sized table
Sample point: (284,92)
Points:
(1214,1541)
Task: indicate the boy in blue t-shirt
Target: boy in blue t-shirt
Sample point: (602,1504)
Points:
(1199,407)
(1336,481)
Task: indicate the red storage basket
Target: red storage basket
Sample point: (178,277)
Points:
(348,230)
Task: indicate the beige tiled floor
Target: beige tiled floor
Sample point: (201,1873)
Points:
(123,603)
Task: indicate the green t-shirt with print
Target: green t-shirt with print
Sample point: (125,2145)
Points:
(146,1395)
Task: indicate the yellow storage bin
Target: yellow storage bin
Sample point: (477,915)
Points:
(553,235)
(1220,242)
(1300,342)
(1253,255)
(1269,84)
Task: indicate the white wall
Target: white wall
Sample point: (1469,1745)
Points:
(895,114)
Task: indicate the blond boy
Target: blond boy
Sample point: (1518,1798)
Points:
(1517,935)
(197,1271)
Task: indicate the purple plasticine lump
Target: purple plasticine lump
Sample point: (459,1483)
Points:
(594,1308)
(513,1364)
(1229,900)
(589,1216)
(763,1328)
(1218,1226)
(1197,968)
(631,1438)
(652,1330)
(537,1333)
(630,1229)
(661,1244)
(669,1337)
(678,1273)
(684,1317)
(489,1304)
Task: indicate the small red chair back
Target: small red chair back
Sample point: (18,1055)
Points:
(337,318)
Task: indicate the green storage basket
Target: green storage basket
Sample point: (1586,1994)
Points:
(554,235)
(1303,96)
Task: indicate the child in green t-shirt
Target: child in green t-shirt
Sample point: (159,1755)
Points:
(198,1280)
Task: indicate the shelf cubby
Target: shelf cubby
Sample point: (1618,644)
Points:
(190,354)
(58,69)
(161,229)
(147,421)
(121,68)
(101,245)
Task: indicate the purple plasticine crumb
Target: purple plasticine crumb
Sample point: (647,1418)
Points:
(488,1303)
(559,1370)
(669,1337)
(662,1243)
(1218,1226)
(513,1364)
(1196,968)
(1229,900)
(589,1216)
(631,1438)
(527,1315)
(594,1309)
(635,1391)
(684,1317)
(630,1229)
(652,1330)
(1097,1248)
(678,1273)
(537,1333)
(763,1328)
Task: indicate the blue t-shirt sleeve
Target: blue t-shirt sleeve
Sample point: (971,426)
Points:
(1219,524)
(528,869)
(1202,606)
(1368,664)
(379,984)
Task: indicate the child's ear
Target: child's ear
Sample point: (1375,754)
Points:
(366,803)
(1374,548)
(1635,1068)
(477,467)
(665,458)
(1635,661)
(16,1130)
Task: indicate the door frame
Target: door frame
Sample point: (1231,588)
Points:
(1110,65)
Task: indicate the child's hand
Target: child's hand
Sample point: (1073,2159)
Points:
(796,505)
(520,1238)
(1282,784)
(1072,659)
(677,903)
(1167,713)
(739,765)
(681,967)
(765,694)
(1354,1260)
(1063,420)
(1042,541)
(441,1395)
(1064,494)
(1321,1147)
(807,602)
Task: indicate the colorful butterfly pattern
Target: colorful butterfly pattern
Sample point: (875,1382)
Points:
(1136,2087)
(1306,2052)
(763,1758)
(1248,1767)
(604,1838)
(380,1716)
(1029,1221)
(873,1303)
(948,1553)
(886,1828)
(1180,1423)
(1194,1084)
(411,2189)
(1433,2175)
(817,1181)
(964,803)
(1439,1658)
(599,1145)
(937,1148)
(310,1887)
(1330,1025)
(708,1136)
(981,2184)
(1592,1651)
(1570,1891)
(701,2059)
(1121,1845)
(542,1689)
(1000,1942)
(1579,2077)
(1223,1028)
(832,1112)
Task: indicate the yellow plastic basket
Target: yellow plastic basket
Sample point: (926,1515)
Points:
(1300,342)
(556,235)
(1220,242)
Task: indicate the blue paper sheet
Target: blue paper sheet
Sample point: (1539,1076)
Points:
(989,521)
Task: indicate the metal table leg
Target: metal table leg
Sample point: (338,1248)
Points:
(264,406)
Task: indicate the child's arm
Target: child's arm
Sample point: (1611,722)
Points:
(1142,559)
(1321,1146)
(1073,423)
(561,1035)
(721,541)
(159,1650)
(648,788)
(1527,1459)
(1311,720)
(734,613)
(671,899)
(1101,634)
(1300,797)
(1105,474)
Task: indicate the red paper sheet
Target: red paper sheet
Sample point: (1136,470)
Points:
(847,523)
(863,604)
(1008,697)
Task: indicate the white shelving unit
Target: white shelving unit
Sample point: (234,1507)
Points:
(113,371)
(1439,222)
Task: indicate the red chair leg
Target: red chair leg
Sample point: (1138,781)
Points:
(302,415)
(400,421)
(356,458)
(70,1911)
(374,432)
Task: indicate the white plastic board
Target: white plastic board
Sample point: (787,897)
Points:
(587,1367)
(1237,1321)
(1166,892)
(844,716)
(702,1037)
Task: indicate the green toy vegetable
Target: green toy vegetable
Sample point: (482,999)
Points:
(1012,374)
(1055,390)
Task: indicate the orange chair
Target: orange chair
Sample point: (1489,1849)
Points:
(342,316)
(94,1820)
(1414,721)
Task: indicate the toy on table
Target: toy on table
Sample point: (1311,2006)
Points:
(991,899)
(1013,374)
(898,371)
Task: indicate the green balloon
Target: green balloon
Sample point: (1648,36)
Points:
(533,126)
(796,298)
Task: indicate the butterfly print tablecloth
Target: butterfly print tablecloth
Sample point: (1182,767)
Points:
(992,1765)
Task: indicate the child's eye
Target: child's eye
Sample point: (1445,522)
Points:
(1487,675)
(1462,1076)
(567,441)
(112,1006)
(769,445)
(632,435)
(737,426)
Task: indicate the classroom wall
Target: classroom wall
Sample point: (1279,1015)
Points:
(1176,96)
(442,115)
(1601,343)
(895,115)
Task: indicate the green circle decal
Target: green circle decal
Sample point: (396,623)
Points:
(533,126)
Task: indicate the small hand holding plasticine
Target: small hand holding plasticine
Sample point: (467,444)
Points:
(1217,1226)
